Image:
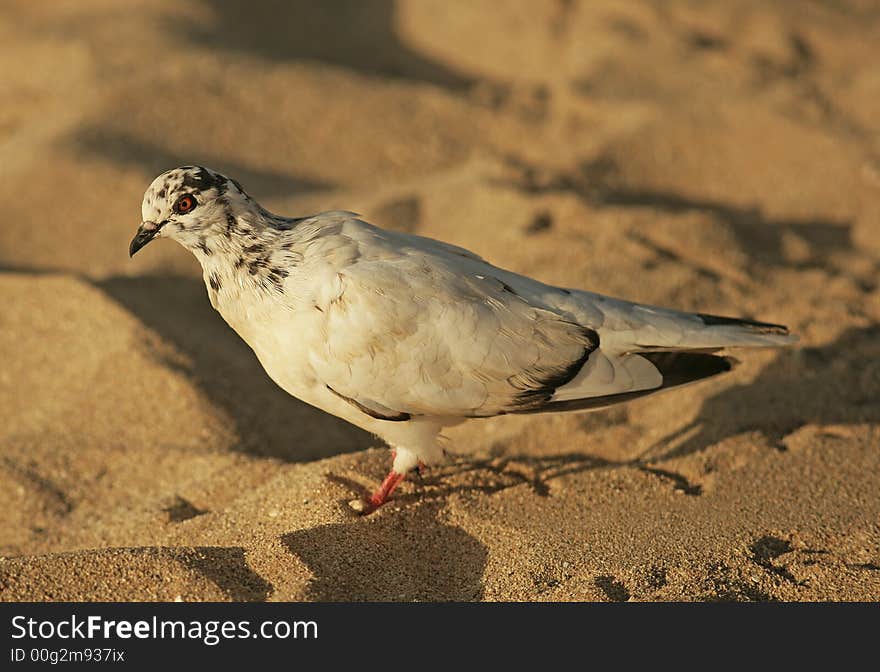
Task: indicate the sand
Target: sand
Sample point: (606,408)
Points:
(716,156)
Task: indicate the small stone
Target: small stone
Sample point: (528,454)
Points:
(358,505)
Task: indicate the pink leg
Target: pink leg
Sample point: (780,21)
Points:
(385,490)
(378,498)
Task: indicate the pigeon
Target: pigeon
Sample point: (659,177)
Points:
(403,335)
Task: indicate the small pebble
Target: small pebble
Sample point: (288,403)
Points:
(358,505)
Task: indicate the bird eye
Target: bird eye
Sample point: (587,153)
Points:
(184,204)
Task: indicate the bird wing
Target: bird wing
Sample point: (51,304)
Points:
(419,333)
(414,326)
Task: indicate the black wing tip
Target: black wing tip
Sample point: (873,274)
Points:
(752,325)
(536,396)
(677,369)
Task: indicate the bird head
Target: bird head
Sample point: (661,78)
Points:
(187,204)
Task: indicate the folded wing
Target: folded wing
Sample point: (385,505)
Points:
(417,336)
(422,328)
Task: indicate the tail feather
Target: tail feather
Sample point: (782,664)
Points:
(748,325)
(699,331)
(746,333)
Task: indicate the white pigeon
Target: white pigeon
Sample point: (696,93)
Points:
(403,335)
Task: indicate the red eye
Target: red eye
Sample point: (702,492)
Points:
(184,204)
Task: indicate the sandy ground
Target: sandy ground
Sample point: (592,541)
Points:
(714,156)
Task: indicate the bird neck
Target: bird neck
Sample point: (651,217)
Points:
(245,253)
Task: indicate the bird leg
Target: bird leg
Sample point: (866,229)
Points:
(366,506)
(385,490)
(378,498)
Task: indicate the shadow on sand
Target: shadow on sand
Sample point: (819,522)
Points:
(843,384)
(405,556)
(353,34)
(132,573)
(758,235)
(122,149)
(269,421)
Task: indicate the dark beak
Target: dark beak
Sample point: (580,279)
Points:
(145,233)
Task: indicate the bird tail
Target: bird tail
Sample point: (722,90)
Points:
(667,351)
(714,331)
(737,332)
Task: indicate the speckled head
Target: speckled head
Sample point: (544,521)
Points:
(185,203)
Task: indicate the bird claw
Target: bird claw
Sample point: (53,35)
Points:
(419,472)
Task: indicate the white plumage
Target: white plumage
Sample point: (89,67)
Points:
(403,335)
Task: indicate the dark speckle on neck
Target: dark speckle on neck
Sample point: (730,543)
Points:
(203,246)
(230,225)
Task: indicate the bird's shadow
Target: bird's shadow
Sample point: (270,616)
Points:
(269,421)
(410,555)
(360,36)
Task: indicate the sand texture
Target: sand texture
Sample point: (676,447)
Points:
(716,156)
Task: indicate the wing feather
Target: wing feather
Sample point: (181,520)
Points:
(411,337)
(413,326)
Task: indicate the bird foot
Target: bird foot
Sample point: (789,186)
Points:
(366,506)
